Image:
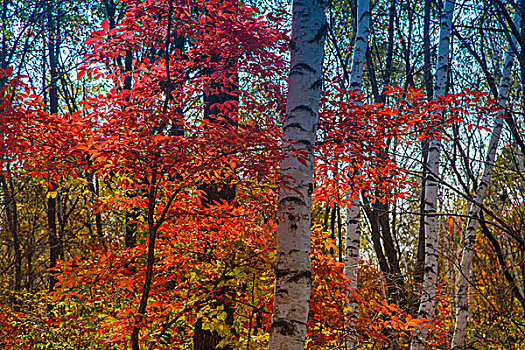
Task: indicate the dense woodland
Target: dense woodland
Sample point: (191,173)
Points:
(226,174)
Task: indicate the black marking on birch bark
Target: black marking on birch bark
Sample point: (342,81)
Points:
(429,204)
(303,108)
(281,291)
(320,33)
(361,39)
(304,142)
(295,200)
(284,327)
(443,67)
(300,67)
(429,269)
(292,220)
(281,273)
(318,84)
(355,85)
(310,189)
(300,275)
(294,125)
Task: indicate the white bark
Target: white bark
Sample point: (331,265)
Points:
(353,238)
(353,231)
(462,306)
(361,44)
(293,270)
(428,292)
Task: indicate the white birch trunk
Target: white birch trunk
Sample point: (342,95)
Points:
(361,44)
(428,292)
(293,270)
(353,238)
(353,221)
(462,305)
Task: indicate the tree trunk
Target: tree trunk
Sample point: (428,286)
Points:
(293,268)
(353,238)
(361,44)
(420,259)
(428,292)
(462,307)
(54,244)
(216,193)
(204,339)
(427,54)
(353,223)
(12,224)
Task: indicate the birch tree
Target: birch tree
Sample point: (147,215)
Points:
(465,268)
(428,292)
(293,268)
(353,231)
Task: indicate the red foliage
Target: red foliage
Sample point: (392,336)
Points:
(156,151)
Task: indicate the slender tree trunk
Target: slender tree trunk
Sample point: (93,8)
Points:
(131,216)
(427,73)
(427,54)
(514,281)
(353,241)
(156,179)
(377,213)
(428,292)
(3,49)
(130,236)
(361,44)
(61,225)
(462,306)
(293,269)
(98,216)
(12,224)
(353,223)
(54,244)
(148,278)
(339,236)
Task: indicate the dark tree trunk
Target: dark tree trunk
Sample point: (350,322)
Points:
(54,244)
(204,339)
(130,239)
(427,54)
(12,224)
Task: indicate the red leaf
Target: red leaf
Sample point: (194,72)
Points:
(90,41)
(105,25)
